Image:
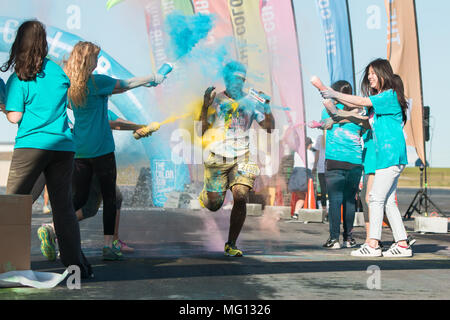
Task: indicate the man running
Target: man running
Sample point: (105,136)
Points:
(229,115)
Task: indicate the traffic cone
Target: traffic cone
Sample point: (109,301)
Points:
(310,195)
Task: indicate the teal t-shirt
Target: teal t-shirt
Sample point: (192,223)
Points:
(343,141)
(92,133)
(2,91)
(43,101)
(388,134)
(112,116)
(369,154)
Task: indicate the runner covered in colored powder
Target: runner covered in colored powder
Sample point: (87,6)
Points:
(228,166)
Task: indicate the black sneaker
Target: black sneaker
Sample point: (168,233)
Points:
(349,243)
(332,244)
(410,240)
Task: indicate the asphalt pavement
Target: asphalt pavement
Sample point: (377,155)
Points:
(179,256)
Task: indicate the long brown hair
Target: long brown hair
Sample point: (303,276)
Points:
(28,51)
(79,68)
(388,80)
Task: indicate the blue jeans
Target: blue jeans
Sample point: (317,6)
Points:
(342,186)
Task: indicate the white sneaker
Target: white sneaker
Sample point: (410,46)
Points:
(367,251)
(46,210)
(396,251)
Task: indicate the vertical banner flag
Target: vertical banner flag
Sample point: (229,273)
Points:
(335,19)
(219,8)
(279,25)
(251,43)
(156,12)
(403,53)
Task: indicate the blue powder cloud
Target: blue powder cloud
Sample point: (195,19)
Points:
(186,31)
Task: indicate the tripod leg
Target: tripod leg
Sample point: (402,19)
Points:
(437,208)
(412,207)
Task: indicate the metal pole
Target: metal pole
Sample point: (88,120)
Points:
(423,127)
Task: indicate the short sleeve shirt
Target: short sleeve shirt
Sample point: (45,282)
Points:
(389,139)
(112,116)
(2,91)
(92,133)
(343,142)
(233,118)
(43,102)
(369,154)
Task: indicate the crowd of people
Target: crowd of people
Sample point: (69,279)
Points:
(77,164)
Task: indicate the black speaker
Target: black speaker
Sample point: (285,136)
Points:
(426,123)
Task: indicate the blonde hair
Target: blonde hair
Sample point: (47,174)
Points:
(78,68)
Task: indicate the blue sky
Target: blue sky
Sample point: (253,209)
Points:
(121,33)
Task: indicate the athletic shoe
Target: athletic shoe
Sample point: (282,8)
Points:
(349,243)
(46,210)
(122,246)
(295,216)
(410,240)
(395,251)
(367,251)
(47,237)
(112,254)
(232,251)
(87,274)
(332,244)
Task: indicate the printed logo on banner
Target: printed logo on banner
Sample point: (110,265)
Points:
(164,176)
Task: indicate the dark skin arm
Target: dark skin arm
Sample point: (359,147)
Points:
(268,123)
(208,99)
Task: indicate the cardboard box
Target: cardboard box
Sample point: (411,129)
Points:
(15,232)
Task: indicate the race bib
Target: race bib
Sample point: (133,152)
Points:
(248,168)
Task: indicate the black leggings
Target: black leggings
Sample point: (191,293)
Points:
(104,168)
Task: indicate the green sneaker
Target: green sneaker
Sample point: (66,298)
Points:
(112,254)
(48,248)
(232,251)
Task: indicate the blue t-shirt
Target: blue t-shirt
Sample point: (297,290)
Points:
(343,141)
(369,154)
(112,116)
(2,91)
(92,133)
(388,134)
(43,101)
